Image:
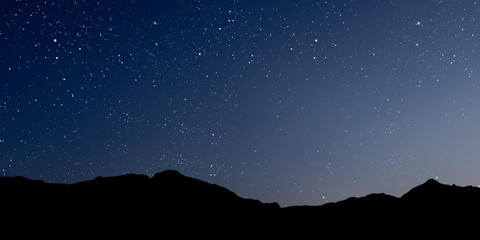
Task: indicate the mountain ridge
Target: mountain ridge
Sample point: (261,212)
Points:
(169,197)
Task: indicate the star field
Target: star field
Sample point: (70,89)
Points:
(299,102)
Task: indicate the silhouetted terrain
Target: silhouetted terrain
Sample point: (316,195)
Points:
(171,199)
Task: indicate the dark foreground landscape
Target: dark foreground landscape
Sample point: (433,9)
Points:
(170,201)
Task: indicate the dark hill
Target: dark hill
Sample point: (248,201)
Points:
(430,209)
(169,200)
(434,193)
(165,191)
(129,202)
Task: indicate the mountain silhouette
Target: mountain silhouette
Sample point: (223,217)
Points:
(170,199)
(166,201)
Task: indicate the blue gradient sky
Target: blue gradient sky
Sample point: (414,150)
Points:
(299,102)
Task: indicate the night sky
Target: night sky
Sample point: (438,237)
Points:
(298,102)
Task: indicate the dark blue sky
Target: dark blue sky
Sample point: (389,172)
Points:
(299,102)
